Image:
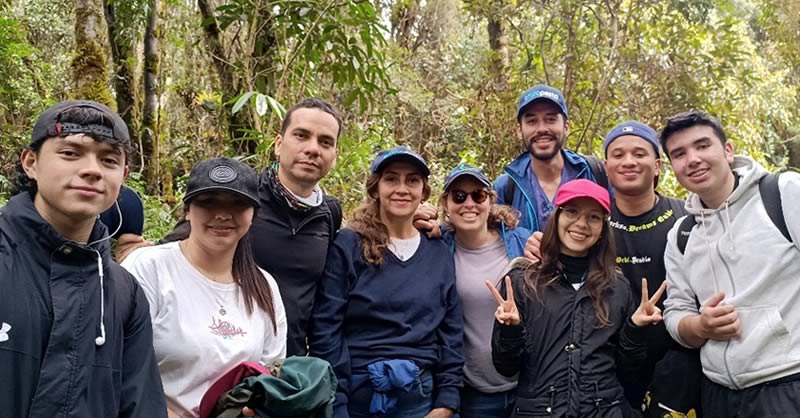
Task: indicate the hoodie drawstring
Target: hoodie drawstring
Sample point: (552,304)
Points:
(708,249)
(729,226)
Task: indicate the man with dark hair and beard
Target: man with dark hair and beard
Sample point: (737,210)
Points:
(531,181)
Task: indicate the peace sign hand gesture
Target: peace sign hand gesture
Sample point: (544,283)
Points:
(648,313)
(506,313)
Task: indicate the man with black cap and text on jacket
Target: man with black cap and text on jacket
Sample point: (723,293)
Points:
(75,332)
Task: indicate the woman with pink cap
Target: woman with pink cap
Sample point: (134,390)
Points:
(567,323)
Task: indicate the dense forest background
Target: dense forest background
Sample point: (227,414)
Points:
(195,79)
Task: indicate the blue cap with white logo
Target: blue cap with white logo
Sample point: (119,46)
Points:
(634,128)
(542,92)
(399,154)
(465,169)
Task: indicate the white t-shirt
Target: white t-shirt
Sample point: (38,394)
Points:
(404,248)
(201,328)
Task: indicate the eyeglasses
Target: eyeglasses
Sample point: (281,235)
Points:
(460,196)
(593,218)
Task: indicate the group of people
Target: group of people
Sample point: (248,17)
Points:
(568,287)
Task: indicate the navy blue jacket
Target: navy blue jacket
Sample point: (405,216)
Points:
(50,317)
(406,310)
(519,172)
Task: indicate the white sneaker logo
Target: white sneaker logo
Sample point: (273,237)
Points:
(4,332)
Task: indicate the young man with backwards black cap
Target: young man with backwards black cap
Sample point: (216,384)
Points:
(75,332)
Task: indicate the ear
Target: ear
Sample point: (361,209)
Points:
(277,146)
(28,158)
(519,131)
(566,124)
(125,174)
(659,164)
(729,151)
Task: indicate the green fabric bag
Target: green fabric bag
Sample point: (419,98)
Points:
(301,387)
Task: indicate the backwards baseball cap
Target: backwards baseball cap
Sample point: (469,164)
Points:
(50,123)
(399,154)
(223,175)
(575,189)
(463,170)
(542,92)
(634,128)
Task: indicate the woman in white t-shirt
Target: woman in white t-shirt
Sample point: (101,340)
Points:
(211,306)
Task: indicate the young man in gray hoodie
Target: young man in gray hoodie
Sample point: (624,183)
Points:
(733,281)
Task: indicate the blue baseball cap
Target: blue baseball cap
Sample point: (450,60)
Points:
(542,92)
(399,154)
(465,169)
(634,128)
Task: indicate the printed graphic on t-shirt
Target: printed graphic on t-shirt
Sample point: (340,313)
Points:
(225,329)
(4,329)
(666,216)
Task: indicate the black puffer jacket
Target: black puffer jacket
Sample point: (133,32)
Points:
(567,365)
(50,365)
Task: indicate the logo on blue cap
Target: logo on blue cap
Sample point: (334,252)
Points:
(542,92)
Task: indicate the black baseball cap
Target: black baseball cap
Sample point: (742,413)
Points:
(50,125)
(225,175)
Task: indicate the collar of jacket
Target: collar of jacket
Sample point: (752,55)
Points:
(519,167)
(20,221)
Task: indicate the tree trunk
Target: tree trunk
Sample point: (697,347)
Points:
(151,148)
(498,42)
(90,64)
(123,57)
(225,71)
(404,17)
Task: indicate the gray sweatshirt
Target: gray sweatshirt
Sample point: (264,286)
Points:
(737,249)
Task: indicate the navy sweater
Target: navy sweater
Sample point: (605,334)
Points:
(399,310)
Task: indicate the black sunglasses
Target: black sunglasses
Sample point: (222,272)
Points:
(478,196)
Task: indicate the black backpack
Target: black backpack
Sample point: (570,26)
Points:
(335,220)
(598,171)
(770,196)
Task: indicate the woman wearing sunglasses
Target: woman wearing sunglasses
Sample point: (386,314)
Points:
(387,315)
(211,306)
(484,240)
(567,323)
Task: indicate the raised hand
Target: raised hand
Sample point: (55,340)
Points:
(648,313)
(718,321)
(506,313)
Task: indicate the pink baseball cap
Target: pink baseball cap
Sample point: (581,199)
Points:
(583,188)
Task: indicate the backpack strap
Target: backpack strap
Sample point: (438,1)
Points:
(684,230)
(508,192)
(335,220)
(771,197)
(598,170)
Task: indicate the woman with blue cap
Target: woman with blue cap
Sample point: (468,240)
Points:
(484,240)
(211,306)
(387,315)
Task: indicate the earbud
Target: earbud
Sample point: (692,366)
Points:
(99,341)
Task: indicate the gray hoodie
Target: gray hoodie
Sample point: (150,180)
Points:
(737,249)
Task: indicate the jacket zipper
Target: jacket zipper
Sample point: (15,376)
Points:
(305,221)
(733,292)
